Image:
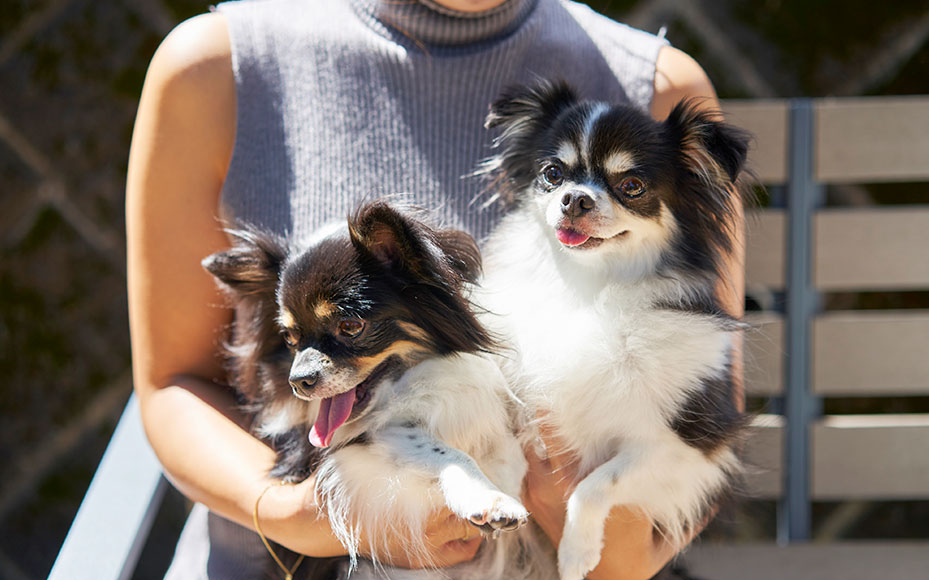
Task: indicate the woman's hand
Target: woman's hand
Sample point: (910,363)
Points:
(289,515)
(450,540)
(631,550)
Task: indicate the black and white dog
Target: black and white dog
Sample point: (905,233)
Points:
(397,410)
(602,280)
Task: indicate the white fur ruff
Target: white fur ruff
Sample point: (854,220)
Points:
(609,371)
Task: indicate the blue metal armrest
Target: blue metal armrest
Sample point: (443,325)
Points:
(110,529)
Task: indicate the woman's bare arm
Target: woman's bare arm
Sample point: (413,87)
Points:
(181,149)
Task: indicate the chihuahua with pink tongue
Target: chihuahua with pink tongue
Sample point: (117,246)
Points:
(362,361)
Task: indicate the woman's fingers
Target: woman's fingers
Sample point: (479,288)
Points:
(452,539)
(448,540)
(549,482)
(558,463)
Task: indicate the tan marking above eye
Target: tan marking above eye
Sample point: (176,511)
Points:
(619,162)
(324,309)
(287,319)
(567,154)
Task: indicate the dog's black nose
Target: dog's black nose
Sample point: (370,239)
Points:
(304,382)
(575,204)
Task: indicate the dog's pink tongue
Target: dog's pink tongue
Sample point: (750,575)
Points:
(333,412)
(571,237)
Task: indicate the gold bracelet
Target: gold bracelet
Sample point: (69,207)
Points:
(288,574)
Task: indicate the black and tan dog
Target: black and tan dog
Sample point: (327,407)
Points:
(362,360)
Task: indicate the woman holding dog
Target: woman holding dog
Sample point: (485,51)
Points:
(286,113)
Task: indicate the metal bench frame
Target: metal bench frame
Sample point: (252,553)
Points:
(112,525)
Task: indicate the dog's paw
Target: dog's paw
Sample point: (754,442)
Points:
(576,559)
(500,513)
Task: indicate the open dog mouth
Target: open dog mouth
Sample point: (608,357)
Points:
(572,238)
(335,411)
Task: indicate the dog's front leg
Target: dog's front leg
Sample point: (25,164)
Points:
(587,511)
(466,490)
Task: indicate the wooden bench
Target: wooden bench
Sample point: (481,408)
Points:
(800,356)
(806,357)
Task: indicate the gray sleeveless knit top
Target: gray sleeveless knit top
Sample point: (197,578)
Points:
(345,100)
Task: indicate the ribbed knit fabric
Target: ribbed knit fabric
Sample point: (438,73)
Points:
(343,100)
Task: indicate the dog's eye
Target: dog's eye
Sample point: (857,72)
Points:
(553,175)
(351,327)
(291,338)
(632,187)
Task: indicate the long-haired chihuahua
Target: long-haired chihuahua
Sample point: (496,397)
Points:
(362,360)
(603,281)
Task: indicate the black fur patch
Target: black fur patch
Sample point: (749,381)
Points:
(296,458)
(362,439)
(711,417)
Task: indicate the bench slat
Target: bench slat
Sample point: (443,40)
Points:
(764,354)
(764,454)
(765,247)
(872,249)
(847,560)
(874,139)
(878,248)
(871,457)
(871,353)
(878,457)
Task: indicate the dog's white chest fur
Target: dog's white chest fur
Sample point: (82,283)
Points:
(595,353)
(610,369)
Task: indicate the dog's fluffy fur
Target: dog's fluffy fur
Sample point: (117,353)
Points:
(602,280)
(370,327)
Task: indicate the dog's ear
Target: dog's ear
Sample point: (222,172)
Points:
(400,241)
(378,230)
(521,109)
(704,137)
(249,272)
(717,183)
(463,253)
(252,266)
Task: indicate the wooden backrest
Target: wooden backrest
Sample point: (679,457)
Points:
(852,353)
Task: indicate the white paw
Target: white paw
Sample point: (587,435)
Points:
(497,512)
(577,558)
